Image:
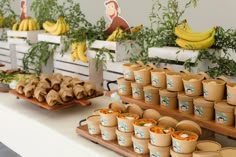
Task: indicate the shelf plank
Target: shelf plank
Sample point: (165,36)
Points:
(210,125)
(112,145)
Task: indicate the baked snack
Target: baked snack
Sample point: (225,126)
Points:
(79,92)
(53,98)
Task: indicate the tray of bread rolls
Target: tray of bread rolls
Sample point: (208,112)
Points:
(54,92)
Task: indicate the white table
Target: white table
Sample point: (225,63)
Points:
(32,131)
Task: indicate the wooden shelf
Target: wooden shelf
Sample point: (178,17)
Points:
(210,125)
(113,145)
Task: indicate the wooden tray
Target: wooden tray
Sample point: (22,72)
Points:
(210,125)
(4,87)
(112,145)
(82,102)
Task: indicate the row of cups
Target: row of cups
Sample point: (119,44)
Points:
(146,136)
(220,111)
(192,84)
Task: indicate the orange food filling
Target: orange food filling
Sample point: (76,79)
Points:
(109,111)
(162,129)
(186,136)
(128,116)
(145,122)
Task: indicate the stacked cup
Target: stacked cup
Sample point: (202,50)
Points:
(160,141)
(125,128)
(108,123)
(142,135)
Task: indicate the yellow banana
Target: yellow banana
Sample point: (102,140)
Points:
(137,29)
(26,25)
(67,27)
(118,33)
(63,25)
(15,27)
(185,26)
(74,54)
(50,28)
(49,23)
(81,49)
(34,24)
(192,36)
(30,24)
(1,21)
(190,45)
(55,29)
(21,25)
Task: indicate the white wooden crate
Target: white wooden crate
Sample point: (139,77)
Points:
(111,72)
(121,51)
(180,56)
(21,37)
(22,49)
(50,38)
(3,33)
(85,71)
(6,55)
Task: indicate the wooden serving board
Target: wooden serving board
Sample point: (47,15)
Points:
(207,124)
(82,102)
(112,145)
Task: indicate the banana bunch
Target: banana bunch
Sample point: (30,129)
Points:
(116,34)
(137,29)
(188,39)
(58,28)
(28,24)
(79,51)
(1,21)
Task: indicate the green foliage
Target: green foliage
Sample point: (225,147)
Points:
(7,17)
(101,57)
(163,19)
(37,56)
(46,10)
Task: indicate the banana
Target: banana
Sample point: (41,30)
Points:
(49,23)
(67,27)
(30,24)
(81,49)
(21,25)
(190,45)
(55,29)
(192,36)
(26,25)
(137,29)
(185,26)
(74,54)
(118,33)
(63,25)
(15,27)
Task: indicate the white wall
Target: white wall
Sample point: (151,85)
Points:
(208,13)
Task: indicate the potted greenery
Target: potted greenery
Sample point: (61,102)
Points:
(164,19)
(7,18)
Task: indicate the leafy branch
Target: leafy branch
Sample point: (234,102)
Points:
(36,56)
(101,57)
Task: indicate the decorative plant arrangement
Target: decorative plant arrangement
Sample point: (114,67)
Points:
(7,17)
(40,52)
(164,21)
